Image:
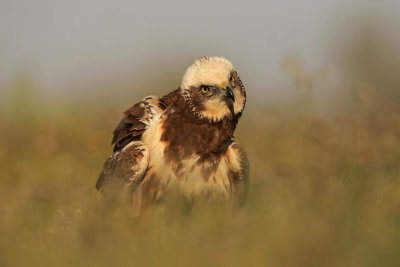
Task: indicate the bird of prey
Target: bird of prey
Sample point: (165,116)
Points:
(182,143)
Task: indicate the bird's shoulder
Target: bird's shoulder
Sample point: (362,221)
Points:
(239,172)
(238,159)
(138,118)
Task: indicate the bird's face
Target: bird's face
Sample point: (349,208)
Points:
(213,89)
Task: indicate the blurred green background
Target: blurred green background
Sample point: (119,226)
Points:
(321,129)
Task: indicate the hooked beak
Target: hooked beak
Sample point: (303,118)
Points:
(229,93)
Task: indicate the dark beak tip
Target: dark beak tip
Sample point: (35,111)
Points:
(230,94)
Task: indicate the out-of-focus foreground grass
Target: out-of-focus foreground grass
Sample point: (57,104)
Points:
(325,190)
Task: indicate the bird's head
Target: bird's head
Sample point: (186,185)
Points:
(212,89)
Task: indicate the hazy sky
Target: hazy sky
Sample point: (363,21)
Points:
(63,41)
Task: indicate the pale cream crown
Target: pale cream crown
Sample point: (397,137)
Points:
(207,71)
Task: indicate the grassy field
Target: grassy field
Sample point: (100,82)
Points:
(324,192)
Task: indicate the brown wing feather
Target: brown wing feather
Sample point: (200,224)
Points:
(123,172)
(137,118)
(134,123)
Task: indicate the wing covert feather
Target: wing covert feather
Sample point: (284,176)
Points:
(125,167)
(134,123)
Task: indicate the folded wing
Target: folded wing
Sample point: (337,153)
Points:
(238,172)
(135,122)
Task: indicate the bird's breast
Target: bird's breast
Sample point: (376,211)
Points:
(203,178)
(175,164)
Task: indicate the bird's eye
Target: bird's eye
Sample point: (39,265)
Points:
(232,79)
(204,89)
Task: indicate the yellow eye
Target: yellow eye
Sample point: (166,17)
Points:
(204,89)
(232,79)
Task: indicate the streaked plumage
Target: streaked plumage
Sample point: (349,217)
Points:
(182,142)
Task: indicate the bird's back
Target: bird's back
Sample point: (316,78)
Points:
(138,118)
